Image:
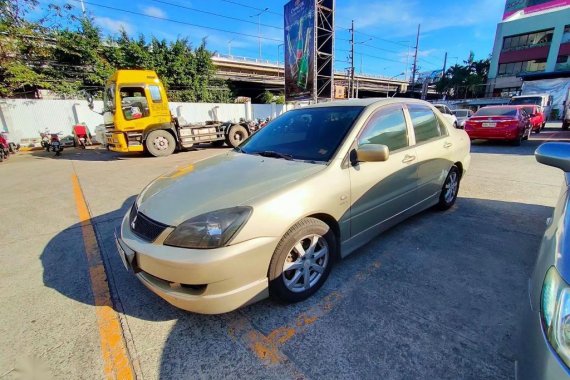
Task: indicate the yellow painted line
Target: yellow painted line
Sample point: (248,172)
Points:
(267,348)
(117,364)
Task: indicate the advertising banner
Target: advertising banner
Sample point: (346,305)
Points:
(531,6)
(299,50)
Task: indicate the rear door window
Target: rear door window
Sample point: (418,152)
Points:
(386,127)
(425,123)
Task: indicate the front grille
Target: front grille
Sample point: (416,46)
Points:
(143,226)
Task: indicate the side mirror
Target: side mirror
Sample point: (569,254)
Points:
(372,153)
(554,154)
(89,99)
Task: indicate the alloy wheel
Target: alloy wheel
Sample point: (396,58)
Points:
(306,263)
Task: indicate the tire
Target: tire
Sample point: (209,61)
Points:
(537,131)
(450,189)
(236,134)
(542,126)
(1,156)
(307,232)
(160,143)
(218,143)
(565,125)
(455,125)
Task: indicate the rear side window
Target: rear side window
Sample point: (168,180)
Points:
(426,125)
(386,127)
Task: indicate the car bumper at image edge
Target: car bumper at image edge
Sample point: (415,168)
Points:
(537,359)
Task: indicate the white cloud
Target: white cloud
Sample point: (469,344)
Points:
(113,25)
(154,12)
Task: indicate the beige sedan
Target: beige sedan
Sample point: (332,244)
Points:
(272,216)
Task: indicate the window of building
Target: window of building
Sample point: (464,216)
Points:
(562,63)
(528,40)
(426,125)
(386,127)
(566,35)
(514,68)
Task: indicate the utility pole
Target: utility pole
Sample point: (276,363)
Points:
(83,9)
(415,61)
(351,85)
(230,47)
(444,65)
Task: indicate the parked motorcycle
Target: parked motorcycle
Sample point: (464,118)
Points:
(13,147)
(4,148)
(51,142)
(55,143)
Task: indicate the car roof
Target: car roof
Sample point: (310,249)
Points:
(367,102)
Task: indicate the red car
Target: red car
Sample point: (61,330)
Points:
(536,117)
(509,123)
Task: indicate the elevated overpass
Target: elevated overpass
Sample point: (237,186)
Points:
(252,77)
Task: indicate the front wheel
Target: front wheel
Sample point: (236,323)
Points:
(160,143)
(302,261)
(450,189)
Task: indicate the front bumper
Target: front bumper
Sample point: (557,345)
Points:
(209,281)
(117,142)
(537,359)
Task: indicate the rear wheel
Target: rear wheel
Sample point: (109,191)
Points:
(518,141)
(302,261)
(236,134)
(160,143)
(450,189)
(537,130)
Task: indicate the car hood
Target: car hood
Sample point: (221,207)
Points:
(219,182)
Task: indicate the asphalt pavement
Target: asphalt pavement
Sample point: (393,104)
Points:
(437,297)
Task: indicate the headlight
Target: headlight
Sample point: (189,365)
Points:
(212,230)
(555,311)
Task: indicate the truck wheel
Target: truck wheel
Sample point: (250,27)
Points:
(236,134)
(160,143)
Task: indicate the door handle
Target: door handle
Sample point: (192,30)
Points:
(408,158)
(447,145)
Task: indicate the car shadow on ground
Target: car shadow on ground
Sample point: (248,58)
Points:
(437,296)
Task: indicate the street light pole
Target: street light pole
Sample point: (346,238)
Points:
(230,47)
(278,58)
(259,27)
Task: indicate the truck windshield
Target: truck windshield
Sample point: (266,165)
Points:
(109,98)
(309,134)
(530,100)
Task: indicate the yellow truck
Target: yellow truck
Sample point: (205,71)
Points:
(137,118)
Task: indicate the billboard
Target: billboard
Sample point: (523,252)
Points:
(531,6)
(300,50)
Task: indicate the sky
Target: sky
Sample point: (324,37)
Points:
(385,30)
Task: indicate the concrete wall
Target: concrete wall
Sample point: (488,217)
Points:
(24,118)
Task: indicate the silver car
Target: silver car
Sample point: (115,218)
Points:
(272,216)
(546,331)
(462,115)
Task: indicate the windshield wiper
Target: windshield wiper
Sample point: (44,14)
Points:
(273,154)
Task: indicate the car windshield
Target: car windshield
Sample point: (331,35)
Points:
(308,134)
(461,113)
(497,111)
(530,100)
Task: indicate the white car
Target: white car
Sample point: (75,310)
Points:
(446,112)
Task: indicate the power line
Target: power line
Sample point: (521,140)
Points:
(386,50)
(215,14)
(250,7)
(371,56)
(177,21)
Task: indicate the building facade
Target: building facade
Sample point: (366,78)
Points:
(532,42)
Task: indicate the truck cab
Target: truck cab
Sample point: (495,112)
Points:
(543,101)
(134,105)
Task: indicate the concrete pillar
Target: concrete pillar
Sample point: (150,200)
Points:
(75,109)
(553,53)
(273,110)
(248,111)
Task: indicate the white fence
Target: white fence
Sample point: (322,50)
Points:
(24,118)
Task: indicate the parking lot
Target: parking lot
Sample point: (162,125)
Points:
(437,297)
